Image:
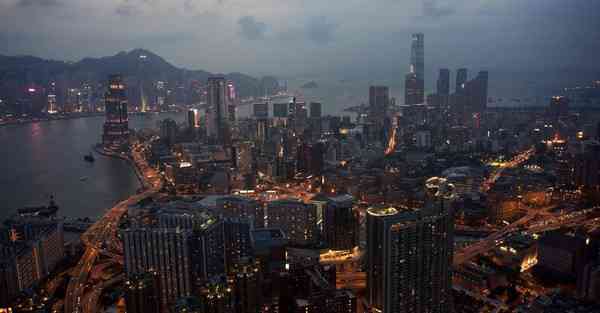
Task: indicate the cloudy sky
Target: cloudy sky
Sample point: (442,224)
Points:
(300,37)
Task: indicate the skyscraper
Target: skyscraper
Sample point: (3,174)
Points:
(461,79)
(193,118)
(142,293)
(379,100)
(417,67)
(116,126)
(443,82)
(412,89)
(409,259)
(297,220)
(340,223)
(218,105)
(146,250)
(315,110)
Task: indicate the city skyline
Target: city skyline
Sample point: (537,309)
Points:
(398,157)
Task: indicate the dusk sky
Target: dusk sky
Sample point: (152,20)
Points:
(297,37)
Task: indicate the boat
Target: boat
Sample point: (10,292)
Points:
(84,178)
(89,157)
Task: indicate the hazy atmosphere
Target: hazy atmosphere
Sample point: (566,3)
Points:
(300,37)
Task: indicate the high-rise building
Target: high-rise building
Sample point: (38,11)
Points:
(218,105)
(231,102)
(587,165)
(240,207)
(168,131)
(165,251)
(315,110)
(340,223)
(238,245)
(409,259)
(443,82)
(116,126)
(8,277)
(280,109)
(194,118)
(246,284)
(142,293)
(379,100)
(298,220)
(417,67)
(461,79)
(412,89)
(261,110)
(208,250)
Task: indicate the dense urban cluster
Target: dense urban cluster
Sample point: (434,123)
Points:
(441,204)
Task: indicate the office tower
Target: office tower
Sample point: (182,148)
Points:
(340,223)
(315,110)
(297,220)
(116,126)
(310,158)
(479,94)
(238,245)
(240,207)
(558,108)
(246,287)
(443,82)
(208,250)
(587,166)
(165,251)
(142,293)
(231,102)
(379,100)
(261,110)
(412,90)
(461,79)
(409,259)
(193,118)
(52,106)
(168,131)
(417,67)
(218,105)
(280,109)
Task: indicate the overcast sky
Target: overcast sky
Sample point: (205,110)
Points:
(299,37)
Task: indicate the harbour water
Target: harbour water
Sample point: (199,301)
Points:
(46,158)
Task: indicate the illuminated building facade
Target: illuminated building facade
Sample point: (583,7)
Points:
(409,259)
(145,251)
(240,207)
(298,220)
(142,293)
(116,126)
(194,119)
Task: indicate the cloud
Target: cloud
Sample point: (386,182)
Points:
(432,8)
(127,9)
(320,30)
(252,29)
(43,3)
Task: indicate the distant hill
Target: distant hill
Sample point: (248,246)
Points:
(20,70)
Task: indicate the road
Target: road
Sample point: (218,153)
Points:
(548,222)
(517,160)
(102,239)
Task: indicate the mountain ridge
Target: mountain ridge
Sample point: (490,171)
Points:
(134,64)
